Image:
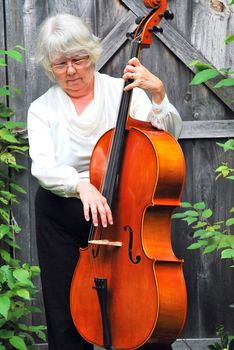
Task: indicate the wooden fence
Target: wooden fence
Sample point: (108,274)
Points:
(197,32)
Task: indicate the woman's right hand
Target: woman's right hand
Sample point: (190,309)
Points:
(94,203)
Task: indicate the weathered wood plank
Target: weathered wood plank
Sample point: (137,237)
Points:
(116,38)
(209,29)
(207,129)
(185,52)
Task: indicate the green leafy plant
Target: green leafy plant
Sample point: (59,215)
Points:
(226,341)
(16,285)
(206,71)
(210,235)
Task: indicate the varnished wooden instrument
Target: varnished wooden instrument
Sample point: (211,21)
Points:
(128,286)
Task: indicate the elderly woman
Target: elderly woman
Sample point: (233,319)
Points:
(64,124)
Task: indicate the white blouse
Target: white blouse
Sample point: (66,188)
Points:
(61,141)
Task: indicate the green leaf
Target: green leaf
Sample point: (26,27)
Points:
(12,243)
(197,245)
(229,39)
(186,205)
(230,177)
(23,293)
(23,277)
(231,2)
(228,145)
(16,55)
(2,62)
(16,228)
(17,187)
(199,65)
(200,224)
(225,242)
(190,220)
(20,47)
(224,83)
(8,195)
(5,214)
(224,341)
(6,334)
(35,269)
(208,234)
(230,222)
(5,304)
(199,233)
(7,271)
(191,213)
(222,168)
(5,255)
(20,149)
(3,200)
(18,343)
(178,216)
(4,91)
(4,230)
(203,76)
(7,136)
(6,112)
(199,205)
(13,125)
(227,254)
(210,249)
(7,158)
(207,213)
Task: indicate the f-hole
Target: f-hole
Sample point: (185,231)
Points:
(138,258)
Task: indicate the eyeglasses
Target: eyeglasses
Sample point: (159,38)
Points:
(76,63)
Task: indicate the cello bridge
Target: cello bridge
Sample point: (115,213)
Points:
(105,242)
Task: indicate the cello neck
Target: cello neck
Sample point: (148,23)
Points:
(117,147)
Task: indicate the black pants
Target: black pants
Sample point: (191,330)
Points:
(61,229)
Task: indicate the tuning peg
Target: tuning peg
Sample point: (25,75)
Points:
(139,19)
(156,29)
(168,15)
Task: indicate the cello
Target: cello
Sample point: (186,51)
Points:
(128,286)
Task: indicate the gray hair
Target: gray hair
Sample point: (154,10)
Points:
(66,35)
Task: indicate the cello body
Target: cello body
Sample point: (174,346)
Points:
(146,298)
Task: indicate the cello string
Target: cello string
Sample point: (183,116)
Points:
(114,160)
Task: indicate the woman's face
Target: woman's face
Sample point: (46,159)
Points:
(75,75)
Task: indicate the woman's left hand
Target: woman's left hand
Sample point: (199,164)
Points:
(143,79)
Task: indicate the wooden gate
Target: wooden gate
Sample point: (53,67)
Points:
(197,32)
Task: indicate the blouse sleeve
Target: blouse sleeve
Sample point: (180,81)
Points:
(59,179)
(162,116)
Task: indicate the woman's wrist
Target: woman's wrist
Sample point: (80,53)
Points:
(158,94)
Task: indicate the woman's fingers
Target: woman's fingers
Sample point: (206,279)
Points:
(86,211)
(95,204)
(142,78)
